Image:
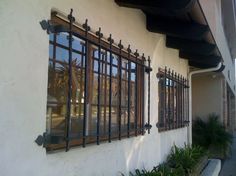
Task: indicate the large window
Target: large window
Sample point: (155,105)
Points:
(173,100)
(93,92)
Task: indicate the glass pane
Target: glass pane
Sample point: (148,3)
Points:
(62,54)
(124,74)
(114,71)
(104,90)
(62,39)
(124,94)
(92,121)
(51,51)
(133,65)
(108,70)
(114,122)
(124,119)
(95,53)
(104,119)
(76,59)
(114,92)
(78,44)
(57,82)
(133,77)
(132,93)
(124,63)
(51,37)
(77,111)
(56,114)
(94,89)
(132,118)
(95,65)
(115,59)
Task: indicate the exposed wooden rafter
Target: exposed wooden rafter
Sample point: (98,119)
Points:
(175,18)
(211,59)
(158,6)
(176,28)
(201,65)
(196,47)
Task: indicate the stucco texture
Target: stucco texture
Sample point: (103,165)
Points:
(24,49)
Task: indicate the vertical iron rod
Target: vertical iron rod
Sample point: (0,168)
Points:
(110,88)
(165,98)
(188,101)
(136,94)
(181,97)
(99,34)
(169,110)
(120,80)
(87,28)
(175,100)
(172,99)
(149,80)
(143,95)
(183,101)
(129,96)
(68,114)
(178,102)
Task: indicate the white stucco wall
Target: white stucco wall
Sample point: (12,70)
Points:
(212,11)
(207,95)
(23,91)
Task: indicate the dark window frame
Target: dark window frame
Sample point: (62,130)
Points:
(173,105)
(92,40)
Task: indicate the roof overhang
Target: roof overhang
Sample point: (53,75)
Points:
(185,26)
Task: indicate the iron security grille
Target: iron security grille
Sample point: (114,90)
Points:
(95,87)
(173,100)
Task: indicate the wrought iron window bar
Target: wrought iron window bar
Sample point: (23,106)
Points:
(173,100)
(108,45)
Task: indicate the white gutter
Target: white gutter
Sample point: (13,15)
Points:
(189,132)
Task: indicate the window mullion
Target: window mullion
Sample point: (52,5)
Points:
(68,114)
(164,113)
(182,101)
(172,100)
(99,87)
(86,107)
(143,94)
(169,108)
(177,100)
(136,97)
(110,89)
(119,80)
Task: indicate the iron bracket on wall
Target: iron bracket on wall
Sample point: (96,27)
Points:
(41,140)
(45,139)
(52,28)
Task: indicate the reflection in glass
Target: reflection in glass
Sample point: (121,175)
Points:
(62,54)
(62,39)
(77,59)
(51,37)
(78,44)
(50,51)
(56,113)
(57,81)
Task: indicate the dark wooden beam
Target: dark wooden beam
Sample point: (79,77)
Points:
(201,65)
(201,59)
(196,47)
(176,28)
(166,6)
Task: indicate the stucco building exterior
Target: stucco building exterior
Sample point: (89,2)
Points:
(160,90)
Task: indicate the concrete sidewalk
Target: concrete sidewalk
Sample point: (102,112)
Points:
(229,166)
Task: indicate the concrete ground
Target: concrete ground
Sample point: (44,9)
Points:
(229,166)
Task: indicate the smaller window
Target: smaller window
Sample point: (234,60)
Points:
(173,100)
